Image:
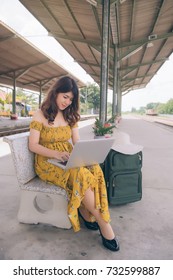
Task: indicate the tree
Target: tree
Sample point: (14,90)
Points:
(2,102)
(91,97)
(169,107)
(94,97)
(8,98)
(109,108)
(133,110)
(160,108)
(27,99)
(152,105)
(142,110)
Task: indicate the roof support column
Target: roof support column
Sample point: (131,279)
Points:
(14,94)
(104,59)
(119,97)
(115,83)
(39,102)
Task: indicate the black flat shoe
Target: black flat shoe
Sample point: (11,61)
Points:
(112,244)
(89,225)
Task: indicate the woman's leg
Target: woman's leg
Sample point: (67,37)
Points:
(85,213)
(89,202)
(79,186)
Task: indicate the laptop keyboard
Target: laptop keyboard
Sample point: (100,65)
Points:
(63,163)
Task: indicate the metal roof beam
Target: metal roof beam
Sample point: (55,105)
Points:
(2,39)
(131,86)
(118,22)
(126,92)
(159,9)
(52,16)
(42,80)
(125,84)
(25,68)
(87,63)
(78,25)
(128,72)
(65,36)
(75,39)
(111,1)
(158,14)
(134,78)
(21,73)
(122,85)
(132,20)
(164,43)
(127,88)
(143,64)
(113,25)
(145,41)
(97,20)
(94,75)
(130,52)
(74,18)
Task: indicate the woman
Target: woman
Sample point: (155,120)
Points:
(50,131)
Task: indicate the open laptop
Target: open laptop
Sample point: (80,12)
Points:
(86,152)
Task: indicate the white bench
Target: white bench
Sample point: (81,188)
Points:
(40,202)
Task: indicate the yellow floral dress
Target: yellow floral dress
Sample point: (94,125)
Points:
(75,180)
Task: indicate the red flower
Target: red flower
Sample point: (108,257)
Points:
(107,125)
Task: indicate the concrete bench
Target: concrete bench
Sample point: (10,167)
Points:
(40,202)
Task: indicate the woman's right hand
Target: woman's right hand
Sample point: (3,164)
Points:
(62,156)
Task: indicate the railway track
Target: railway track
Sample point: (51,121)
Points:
(14,130)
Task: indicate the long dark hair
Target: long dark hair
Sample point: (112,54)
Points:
(50,108)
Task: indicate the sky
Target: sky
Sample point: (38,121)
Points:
(14,14)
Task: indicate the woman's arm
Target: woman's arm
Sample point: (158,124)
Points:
(75,135)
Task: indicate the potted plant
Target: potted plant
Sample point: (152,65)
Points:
(102,130)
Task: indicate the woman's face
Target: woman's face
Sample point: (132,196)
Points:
(64,100)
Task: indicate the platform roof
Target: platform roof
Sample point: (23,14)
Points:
(142,31)
(30,65)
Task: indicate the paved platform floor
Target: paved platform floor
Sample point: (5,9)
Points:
(144,228)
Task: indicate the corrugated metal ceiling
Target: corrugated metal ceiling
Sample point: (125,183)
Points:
(142,30)
(31,67)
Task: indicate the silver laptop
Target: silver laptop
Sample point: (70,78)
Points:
(86,152)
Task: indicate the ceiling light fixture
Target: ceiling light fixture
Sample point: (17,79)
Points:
(92,2)
(152,37)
